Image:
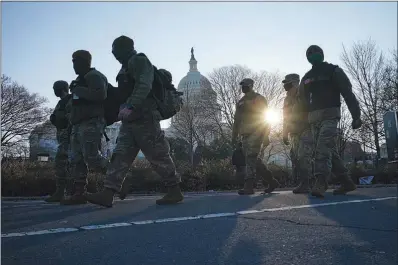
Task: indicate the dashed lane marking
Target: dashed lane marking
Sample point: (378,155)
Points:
(186,218)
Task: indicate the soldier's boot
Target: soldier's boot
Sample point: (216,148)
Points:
(320,187)
(346,185)
(272,185)
(102,198)
(78,197)
(302,188)
(173,196)
(58,195)
(248,188)
(268,179)
(128,181)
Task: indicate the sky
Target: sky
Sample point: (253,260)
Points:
(38,38)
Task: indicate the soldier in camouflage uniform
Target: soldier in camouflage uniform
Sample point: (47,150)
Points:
(295,124)
(249,124)
(89,91)
(128,180)
(140,129)
(320,89)
(60,119)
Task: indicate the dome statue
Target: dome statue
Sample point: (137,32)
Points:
(194,82)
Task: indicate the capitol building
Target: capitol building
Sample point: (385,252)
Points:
(200,112)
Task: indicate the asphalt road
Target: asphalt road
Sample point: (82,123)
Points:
(281,228)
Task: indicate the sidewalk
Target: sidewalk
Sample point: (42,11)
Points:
(196,192)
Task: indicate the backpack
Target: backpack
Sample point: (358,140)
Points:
(167,98)
(171,101)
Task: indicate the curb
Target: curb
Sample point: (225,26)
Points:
(37,198)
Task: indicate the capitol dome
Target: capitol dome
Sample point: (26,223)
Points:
(194,81)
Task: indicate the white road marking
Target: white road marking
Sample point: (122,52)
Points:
(178,219)
(41,232)
(94,227)
(39,203)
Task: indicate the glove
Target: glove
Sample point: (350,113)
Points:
(356,123)
(126,112)
(285,140)
(53,119)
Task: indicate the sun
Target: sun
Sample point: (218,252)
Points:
(272,117)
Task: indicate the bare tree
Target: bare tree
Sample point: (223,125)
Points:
(346,133)
(225,82)
(365,65)
(20,149)
(193,123)
(269,85)
(21,111)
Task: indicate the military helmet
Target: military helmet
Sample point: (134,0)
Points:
(123,41)
(167,74)
(290,78)
(313,49)
(83,55)
(247,82)
(61,85)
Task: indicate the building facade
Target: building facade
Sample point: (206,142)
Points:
(391,129)
(43,142)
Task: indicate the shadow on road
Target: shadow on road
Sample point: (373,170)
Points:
(191,242)
(373,224)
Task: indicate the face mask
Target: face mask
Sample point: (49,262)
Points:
(288,86)
(58,93)
(245,89)
(315,58)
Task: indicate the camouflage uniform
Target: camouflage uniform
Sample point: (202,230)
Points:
(60,119)
(321,88)
(143,133)
(254,132)
(295,123)
(88,124)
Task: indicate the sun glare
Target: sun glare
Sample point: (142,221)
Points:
(272,117)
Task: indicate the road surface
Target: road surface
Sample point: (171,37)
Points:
(213,228)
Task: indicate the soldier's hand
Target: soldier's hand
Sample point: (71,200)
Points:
(73,84)
(285,140)
(356,124)
(124,114)
(53,119)
(127,113)
(233,143)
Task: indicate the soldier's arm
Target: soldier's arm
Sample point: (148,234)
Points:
(68,108)
(236,125)
(302,94)
(96,90)
(262,106)
(344,85)
(286,113)
(52,116)
(141,70)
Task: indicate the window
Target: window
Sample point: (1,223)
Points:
(42,158)
(387,134)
